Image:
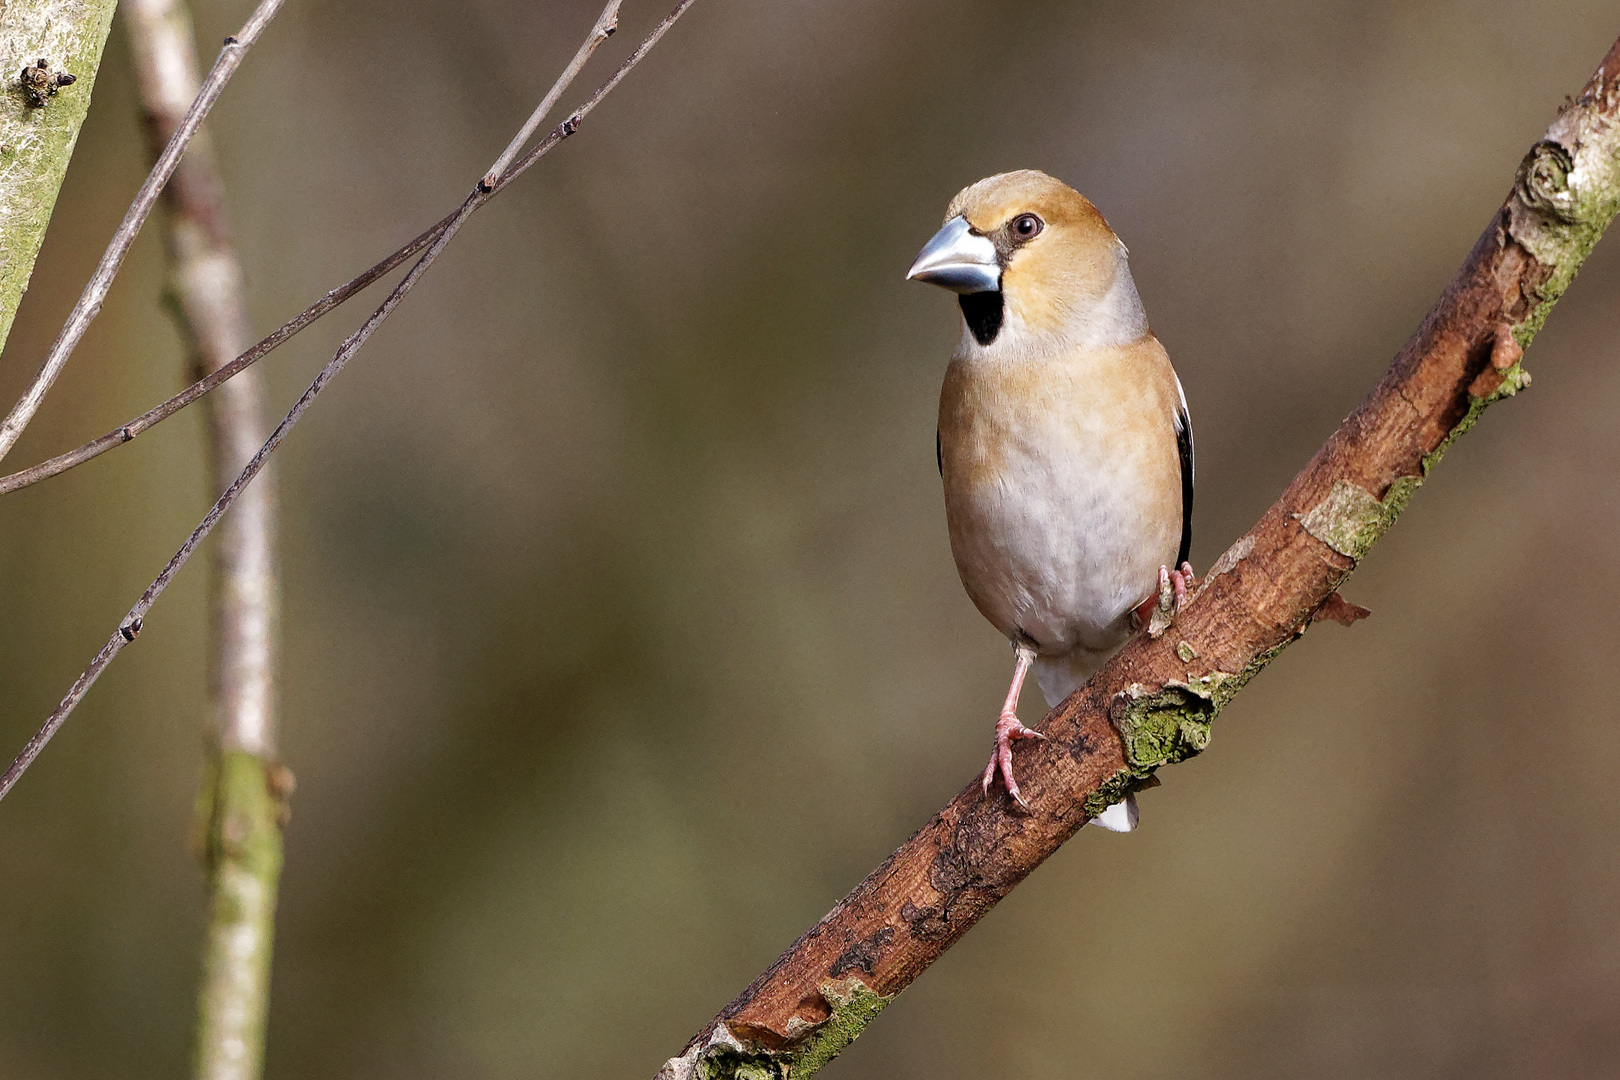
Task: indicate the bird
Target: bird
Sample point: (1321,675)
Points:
(1064,444)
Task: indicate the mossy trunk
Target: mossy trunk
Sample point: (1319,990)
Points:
(41,111)
(243,804)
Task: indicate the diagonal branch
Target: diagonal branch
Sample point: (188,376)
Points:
(606,24)
(338,296)
(95,291)
(1153,704)
(131,624)
(278,337)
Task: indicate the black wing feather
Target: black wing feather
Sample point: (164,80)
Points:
(1184,446)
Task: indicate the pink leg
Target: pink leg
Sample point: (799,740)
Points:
(1180,581)
(1009,730)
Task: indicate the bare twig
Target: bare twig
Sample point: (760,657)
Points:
(280,336)
(1153,704)
(606,24)
(571,125)
(332,300)
(132,623)
(89,305)
(206,292)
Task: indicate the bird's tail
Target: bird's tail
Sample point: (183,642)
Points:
(1060,676)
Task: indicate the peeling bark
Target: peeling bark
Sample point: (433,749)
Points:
(1154,703)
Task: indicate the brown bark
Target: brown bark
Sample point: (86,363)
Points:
(1153,703)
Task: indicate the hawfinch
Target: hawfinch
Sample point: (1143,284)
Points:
(1064,443)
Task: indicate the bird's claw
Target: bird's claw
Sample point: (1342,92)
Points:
(1157,612)
(1008,731)
(1180,581)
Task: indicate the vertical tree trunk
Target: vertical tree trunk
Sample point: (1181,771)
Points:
(244,787)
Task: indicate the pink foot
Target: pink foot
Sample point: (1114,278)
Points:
(1168,601)
(1180,581)
(1008,731)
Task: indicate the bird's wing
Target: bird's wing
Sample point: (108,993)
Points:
(1184,446)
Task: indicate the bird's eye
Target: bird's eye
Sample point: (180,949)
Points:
(1027,226)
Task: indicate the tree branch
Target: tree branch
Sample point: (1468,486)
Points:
(338,296)
(95,291)
(132,623)
(39,124)
(196,391)
(606,24)
(242,801)
(1153,704)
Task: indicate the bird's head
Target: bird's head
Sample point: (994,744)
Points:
(1035,266)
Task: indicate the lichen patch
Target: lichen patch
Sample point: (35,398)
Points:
(1348,520)
(726,1056)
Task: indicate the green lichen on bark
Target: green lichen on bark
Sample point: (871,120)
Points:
(1565,200)
(727,1064)
(853,1005)
(242,850)
(1164,726)
(1514,379)
(1349,520)
(1170,724)
(1566,193)
(1111,791)
(1160,727)
(36,140)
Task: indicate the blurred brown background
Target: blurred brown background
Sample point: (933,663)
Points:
(621,633)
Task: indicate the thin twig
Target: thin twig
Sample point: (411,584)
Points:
(206,298)
(280,336)
(132,623)
(571,125)
(242,848)
(332,300)
(89,305)
(606,24)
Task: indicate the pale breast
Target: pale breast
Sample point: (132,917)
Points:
(1062,488)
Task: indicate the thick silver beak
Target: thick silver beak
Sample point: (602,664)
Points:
(958,259)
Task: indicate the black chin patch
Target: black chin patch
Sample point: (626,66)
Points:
(982,310)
